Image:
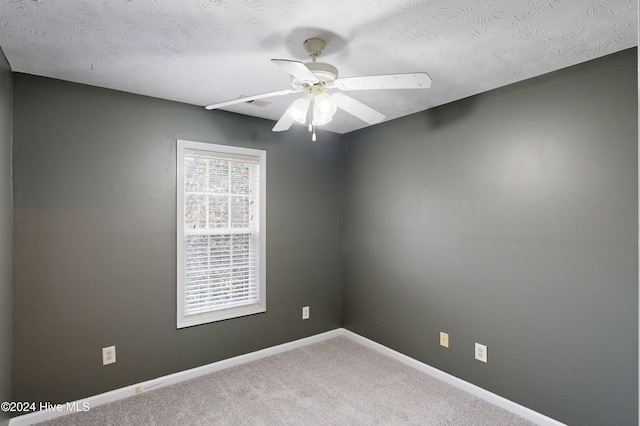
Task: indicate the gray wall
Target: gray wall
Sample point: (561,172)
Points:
(508,219)
(95,252)
(6,209)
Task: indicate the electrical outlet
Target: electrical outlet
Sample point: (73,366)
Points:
(481,352)
(444,339)
(108,355)
(138,390)
(305,312)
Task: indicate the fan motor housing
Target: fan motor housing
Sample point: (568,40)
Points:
(324,72)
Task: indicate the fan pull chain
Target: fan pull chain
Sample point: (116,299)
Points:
(312,128)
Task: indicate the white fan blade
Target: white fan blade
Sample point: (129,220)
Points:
(357,108)
(297,69)
(284,123)
(251,98)
(419,80)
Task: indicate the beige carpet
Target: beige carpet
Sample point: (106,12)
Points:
(334,382)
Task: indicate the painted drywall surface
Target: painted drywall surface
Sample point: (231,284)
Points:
(6,209)
(95,252)
(508,219)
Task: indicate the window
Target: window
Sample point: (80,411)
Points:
(220,232)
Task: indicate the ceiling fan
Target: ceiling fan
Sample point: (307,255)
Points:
(317,106)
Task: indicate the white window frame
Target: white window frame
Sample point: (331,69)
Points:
(222,313)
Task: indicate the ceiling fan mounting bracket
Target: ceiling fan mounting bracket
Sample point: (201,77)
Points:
(314,46)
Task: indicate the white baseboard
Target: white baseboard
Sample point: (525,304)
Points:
(533,416)
(114,395)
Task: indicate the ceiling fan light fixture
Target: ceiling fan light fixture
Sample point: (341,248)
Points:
(316,108)
(298,110)
(323,109)
(323,105)
(319,121)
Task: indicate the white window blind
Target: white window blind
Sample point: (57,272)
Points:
(220,232)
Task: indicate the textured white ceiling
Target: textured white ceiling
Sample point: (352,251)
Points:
(207,51)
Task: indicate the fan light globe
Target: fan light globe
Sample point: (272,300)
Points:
(320,121)
(298,110)
(323,109)
(323,105)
